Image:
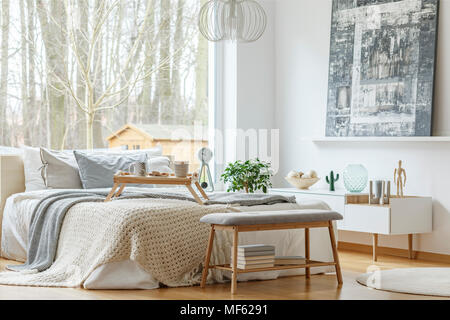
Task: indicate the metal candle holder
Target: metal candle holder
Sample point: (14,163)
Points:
(382,192)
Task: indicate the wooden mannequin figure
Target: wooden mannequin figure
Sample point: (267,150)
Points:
(401,182)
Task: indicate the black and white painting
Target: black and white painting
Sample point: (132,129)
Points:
(382,66)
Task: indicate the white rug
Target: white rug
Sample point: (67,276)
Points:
(423,281)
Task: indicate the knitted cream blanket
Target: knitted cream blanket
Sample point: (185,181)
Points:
(163,236)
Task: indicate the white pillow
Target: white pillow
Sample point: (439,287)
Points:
(60,170)
(32,168)
(10,150)
(160,164)
(151,153)
(33,163)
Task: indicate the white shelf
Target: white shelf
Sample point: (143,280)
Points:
(380,139)
(337,193)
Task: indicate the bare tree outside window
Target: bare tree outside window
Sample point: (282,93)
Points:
(73,72)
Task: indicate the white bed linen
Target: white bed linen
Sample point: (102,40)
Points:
(129,275)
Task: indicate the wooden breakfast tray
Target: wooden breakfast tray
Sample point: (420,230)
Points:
(122,179)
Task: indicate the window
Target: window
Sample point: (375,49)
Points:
(65,86)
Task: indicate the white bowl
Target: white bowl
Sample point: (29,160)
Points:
(301,183)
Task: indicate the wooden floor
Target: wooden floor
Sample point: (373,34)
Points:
(318,287)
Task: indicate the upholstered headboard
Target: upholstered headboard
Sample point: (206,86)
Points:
(12,179)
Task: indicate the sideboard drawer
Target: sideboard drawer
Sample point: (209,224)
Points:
(364,218)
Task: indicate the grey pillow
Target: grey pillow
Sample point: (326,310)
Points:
(97,170)
(60,170)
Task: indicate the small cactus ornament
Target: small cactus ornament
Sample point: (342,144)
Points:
(331,180)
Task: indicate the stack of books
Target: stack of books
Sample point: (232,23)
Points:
(255,256)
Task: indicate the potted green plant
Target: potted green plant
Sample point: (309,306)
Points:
(250,175)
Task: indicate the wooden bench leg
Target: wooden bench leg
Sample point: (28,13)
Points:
(235,258)
(335,252)
(307,253)
(208,256)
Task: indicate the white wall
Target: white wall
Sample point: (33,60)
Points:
(302,37)
(248,79)
(256,77)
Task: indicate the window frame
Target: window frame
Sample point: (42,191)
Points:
(215,97)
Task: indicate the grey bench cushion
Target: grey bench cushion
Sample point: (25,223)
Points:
(270,217)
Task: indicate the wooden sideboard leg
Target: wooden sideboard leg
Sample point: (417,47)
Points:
(335,253)
(235,258)
(375,247)
(307,253)
(208,256)
(410,246)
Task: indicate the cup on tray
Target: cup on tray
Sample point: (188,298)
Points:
(181,169)
(138,169)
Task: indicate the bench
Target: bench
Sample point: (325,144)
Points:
(272,220)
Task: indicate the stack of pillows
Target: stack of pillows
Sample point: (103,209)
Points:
(49,169)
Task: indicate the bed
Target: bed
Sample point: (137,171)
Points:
(127,272)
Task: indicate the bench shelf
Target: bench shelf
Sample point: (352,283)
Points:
(310,264)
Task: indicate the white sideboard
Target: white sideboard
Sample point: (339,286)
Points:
(402,216)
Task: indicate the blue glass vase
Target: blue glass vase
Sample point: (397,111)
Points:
(355,178)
